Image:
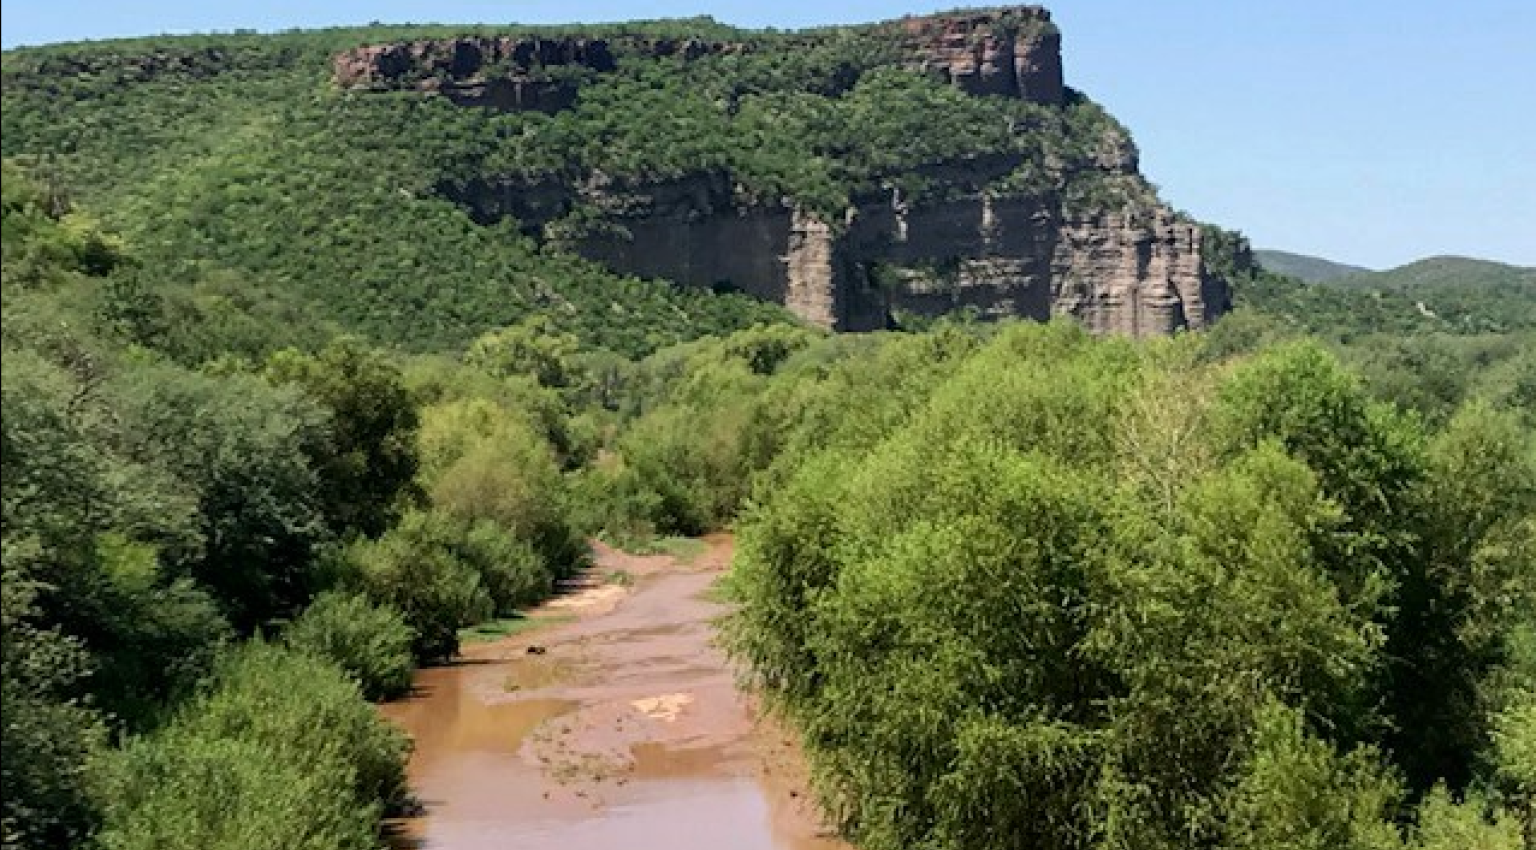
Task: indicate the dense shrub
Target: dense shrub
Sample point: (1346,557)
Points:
(186,791)
(280,749)
(418,569)
(306,710)
(370,643)
(483,463)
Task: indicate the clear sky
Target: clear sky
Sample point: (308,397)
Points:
(1366,131)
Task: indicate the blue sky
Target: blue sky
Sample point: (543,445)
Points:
(1366,131)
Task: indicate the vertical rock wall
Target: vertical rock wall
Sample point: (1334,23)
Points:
(1146,278)
(810,267)
(1013,52)
(998,257)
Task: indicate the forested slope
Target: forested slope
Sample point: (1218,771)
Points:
(1304,267)
(239,165)
(243,176)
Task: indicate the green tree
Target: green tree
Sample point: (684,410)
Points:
(531,347)
(303,709)
(484,463)
(50,732)
(1514,738)
(235,444)
(367,460)
(1297,793)
(418,568)
(183,790)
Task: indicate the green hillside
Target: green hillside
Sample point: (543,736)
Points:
(235,164)
(1437,296)
(1463,293)
(1304,267)
(236,167)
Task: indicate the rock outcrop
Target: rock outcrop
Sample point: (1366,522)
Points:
(501,72)
(1011,52)
(510,74)
(1118,275)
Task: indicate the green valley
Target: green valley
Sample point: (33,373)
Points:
(326,351)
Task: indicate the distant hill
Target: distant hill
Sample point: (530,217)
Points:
(1304,267)
(1465,295)
(1436,295)
(1443,271)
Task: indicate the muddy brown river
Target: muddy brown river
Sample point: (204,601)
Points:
(626,731)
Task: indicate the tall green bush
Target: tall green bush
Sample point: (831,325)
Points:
(417,568)
(280,749)
(370,643)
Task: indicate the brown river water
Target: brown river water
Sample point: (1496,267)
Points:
(627,731)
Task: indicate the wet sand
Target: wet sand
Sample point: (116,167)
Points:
(626,732)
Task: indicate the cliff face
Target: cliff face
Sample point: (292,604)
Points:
(1011,52)
(1116,273)
(1119,266)
(510,74)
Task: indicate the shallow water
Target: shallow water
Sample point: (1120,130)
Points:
(627,732)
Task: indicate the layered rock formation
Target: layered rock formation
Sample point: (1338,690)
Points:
(505,73)
(1140,275)
(1011,52)
(501,72)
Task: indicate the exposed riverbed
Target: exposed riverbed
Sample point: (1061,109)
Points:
(626,731)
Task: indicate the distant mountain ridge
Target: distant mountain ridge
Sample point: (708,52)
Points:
(1304,267)
(1444,271)
(1434,295)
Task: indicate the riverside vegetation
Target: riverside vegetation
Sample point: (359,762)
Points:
(1269,586)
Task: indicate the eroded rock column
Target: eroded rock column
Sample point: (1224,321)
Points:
(811,291)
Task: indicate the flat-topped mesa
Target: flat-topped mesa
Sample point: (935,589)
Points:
(1014,232)
(1012,51)
(1008,51)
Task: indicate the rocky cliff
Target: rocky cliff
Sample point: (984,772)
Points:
(1083,236)
(1010,52)
(1014,52)
(502,72)
(1139,274)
